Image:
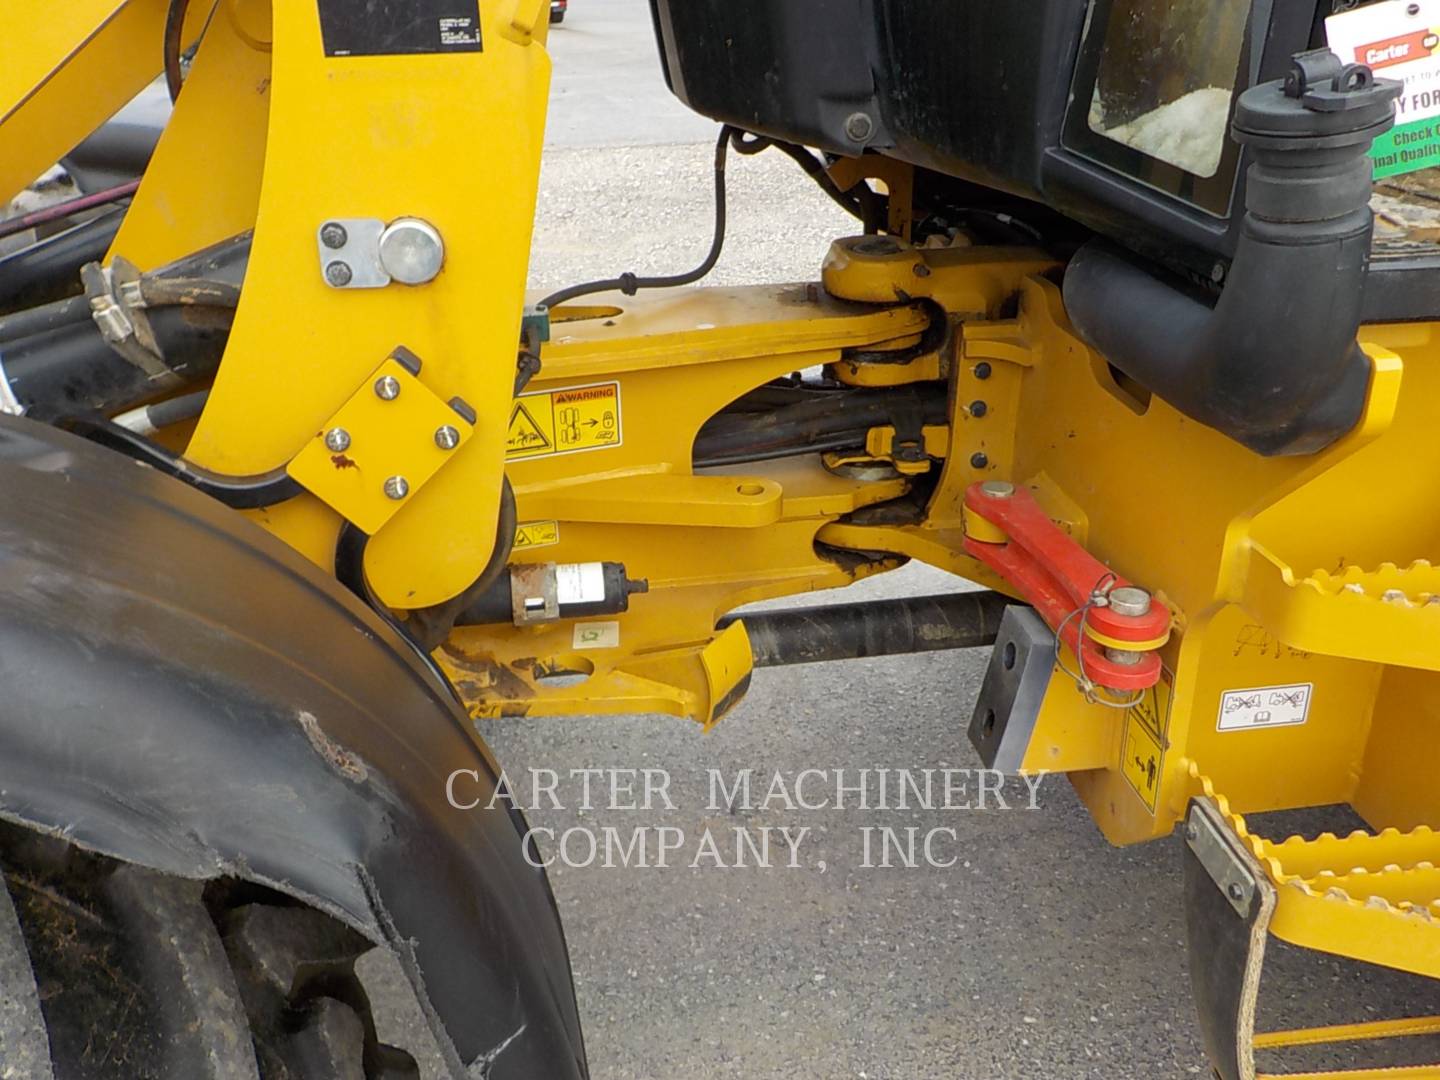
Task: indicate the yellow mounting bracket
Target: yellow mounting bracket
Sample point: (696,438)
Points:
(383,444)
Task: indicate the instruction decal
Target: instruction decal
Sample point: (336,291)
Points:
(399,27)
(1265,707)
(1398,39)
(1142,754)
(534,534)
(567,421)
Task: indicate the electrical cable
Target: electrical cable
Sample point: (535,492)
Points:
(630,283)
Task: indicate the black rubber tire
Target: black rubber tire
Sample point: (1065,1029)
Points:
(557,19)
(114,972)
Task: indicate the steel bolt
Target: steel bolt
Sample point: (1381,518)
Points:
(397,487)
(337,439)
(978,460)
(1124,657)
(333,235)
(859,127)
(1129,600)
(982,369)
(338,274)
(446,437)
(978,409)
(1217,273)
(387,388)
(1235,891)
(997,489)
(1192,831)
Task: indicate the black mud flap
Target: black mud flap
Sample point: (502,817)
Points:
(1229,902)
(180,690)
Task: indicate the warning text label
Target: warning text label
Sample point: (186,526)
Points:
(564,421)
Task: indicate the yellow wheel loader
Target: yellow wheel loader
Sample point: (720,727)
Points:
(297,482)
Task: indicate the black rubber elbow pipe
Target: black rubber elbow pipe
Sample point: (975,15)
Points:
(1273,364)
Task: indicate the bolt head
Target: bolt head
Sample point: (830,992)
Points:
(1235,891)
(1217,273)
(859,126)
(446,437)
(338,274)
(979,460)
(337,440)
(997,489)
(397,487)
(1192,831)
(978,409)
(982,369)
(411,251)
(333,235)
(387,388)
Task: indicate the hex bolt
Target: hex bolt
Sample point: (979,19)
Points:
(978,409)
(1192,831)
(337,439)
(387,388)
(338,274)
(446,437)
(979,460)
(333,235)
(1129,600)
(397,487)
(921,270)
(859,127)
(982,369)
(997,489)
(1235,891)
(1217,273)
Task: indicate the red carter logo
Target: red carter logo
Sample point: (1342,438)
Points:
(1398,50)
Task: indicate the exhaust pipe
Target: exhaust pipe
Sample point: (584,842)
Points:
(1273,364)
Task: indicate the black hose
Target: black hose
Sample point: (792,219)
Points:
(174,43)
(860,201)
(236,492)
(429,627)
(824,423)
(630,283)
(49,269)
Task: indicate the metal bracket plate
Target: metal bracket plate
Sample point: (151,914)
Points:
(1008,704)
(382,445)
(1217,849)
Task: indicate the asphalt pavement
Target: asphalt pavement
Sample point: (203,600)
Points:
(1026,948)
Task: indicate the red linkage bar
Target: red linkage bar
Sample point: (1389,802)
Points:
(1059,577)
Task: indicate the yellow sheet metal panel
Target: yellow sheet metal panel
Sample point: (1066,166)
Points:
(409,126)
(381,447)
(203,182)
(63,75)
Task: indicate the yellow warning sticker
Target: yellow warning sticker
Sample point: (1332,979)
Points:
(535,534)
(1140,760)
(564,421)
(1143,753)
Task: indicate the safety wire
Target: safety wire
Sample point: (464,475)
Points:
(1099,598)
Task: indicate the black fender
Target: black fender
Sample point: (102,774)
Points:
(180,690)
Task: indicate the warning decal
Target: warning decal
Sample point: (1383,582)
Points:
(1140,760)
(535,534)
(1143,752)
(564,421)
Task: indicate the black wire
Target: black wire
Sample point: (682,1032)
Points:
(860,201)
(350,572)
(174,41)
(236,492)
(629,283)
